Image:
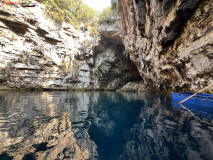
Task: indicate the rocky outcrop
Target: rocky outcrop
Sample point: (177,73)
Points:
(170,41)
(111,66)
(36,53)
(133,86)
(107,68)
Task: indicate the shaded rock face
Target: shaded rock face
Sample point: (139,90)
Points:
(36,53)
(107,68)
(170,41)
(111,66)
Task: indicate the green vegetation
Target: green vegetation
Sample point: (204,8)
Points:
(110,15)
(126,53)
(71,11)
(66,66)
(77,12)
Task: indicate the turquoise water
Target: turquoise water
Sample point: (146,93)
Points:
(100,125)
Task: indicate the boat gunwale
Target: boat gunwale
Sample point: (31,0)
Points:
(189,94)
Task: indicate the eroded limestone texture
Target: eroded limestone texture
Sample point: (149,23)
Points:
(36,53)
(170,41)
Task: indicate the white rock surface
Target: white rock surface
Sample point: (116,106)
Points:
(36,53)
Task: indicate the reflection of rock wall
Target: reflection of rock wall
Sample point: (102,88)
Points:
(166,133)
(36,53)
(75,125)
(170,41)
(54,125)
(29,129)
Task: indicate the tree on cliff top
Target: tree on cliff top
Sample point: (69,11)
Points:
(77,12)
(71,11)
(111,14)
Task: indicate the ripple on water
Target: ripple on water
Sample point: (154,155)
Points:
(100,125)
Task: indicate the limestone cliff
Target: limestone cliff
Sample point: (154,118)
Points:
(170,41)
(37,53)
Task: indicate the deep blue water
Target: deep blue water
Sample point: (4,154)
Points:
(101,125)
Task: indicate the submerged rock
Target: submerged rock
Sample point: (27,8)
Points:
(134,86)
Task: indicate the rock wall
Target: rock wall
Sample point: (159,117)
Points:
(170,41)
(37,53)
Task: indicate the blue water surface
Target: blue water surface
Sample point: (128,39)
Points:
(58,125)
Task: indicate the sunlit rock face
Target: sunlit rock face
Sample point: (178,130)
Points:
(170,41)
(37,53)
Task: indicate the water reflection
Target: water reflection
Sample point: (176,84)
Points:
(100,125)
(37,125)
(196,110)
(164,132)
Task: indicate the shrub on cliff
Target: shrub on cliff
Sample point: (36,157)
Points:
(71,11)
(77,12)
(111,14)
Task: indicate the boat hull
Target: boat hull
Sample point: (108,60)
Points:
(199,99)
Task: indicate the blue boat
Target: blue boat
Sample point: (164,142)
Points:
(199,99)
(201,104)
